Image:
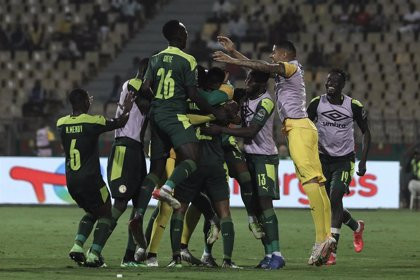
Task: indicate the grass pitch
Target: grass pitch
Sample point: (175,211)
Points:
(34,243)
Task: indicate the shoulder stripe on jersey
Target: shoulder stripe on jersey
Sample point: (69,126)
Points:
(267,104)
(315,98)
(135,83)
(228,89)
(83,118)
(289,69)
(189,58)
(356,102)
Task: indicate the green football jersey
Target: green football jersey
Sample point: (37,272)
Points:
(79,137)
(171,71)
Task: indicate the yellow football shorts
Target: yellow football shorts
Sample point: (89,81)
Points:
(302,137)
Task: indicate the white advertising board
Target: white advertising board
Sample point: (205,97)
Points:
(37,180)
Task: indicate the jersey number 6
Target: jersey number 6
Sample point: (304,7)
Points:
(74,156)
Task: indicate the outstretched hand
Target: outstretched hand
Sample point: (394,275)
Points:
(226,43)
(222,57)
(128,102)
(212,130)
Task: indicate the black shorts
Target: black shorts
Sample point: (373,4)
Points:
(126,168)
(91,199)
(338,173)
(210,179)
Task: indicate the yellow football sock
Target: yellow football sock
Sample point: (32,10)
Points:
(159,225)
(327,210)
(190,222)
(317,209)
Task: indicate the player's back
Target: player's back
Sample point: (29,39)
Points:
(171,71)
(79,137)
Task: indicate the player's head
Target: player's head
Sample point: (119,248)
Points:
(256,82)
(283,51)
(201,76)
(336,80)
(80,100)
(176,33)
(214,78)
(142,66)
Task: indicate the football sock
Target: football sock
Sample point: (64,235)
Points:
(327,211)
(145,194)
(181,172)
(316,204)
(101,234)
(131,245)
(271,229)
(159,225)
(244,180)
(265,240)
(228,235)
(149,228)
(192,216)
(349,221)
(207,248)
(84,230)
(177,222)
(335,232)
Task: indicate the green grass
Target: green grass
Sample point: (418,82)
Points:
(34,243)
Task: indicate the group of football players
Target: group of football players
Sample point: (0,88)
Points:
(195,116)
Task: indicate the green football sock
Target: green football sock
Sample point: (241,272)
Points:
(101,235)
(265,241)
(177,223)
(147,187)
(206,227)
(228,235)
(131,246)
(149,228)
(84,230)
(244,180)
(271,229)
(181,172)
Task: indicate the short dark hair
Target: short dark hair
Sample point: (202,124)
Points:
(287,45)
(77,96)
(171,29)
(215,75)
(260,77)
(339,72)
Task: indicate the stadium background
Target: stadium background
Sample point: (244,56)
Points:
(69,43)
(48,47)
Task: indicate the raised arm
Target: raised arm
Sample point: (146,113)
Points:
(283,69)
(229,46)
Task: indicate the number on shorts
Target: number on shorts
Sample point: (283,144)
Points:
(166,85)
(74,156)
(344,176)
(261,180)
